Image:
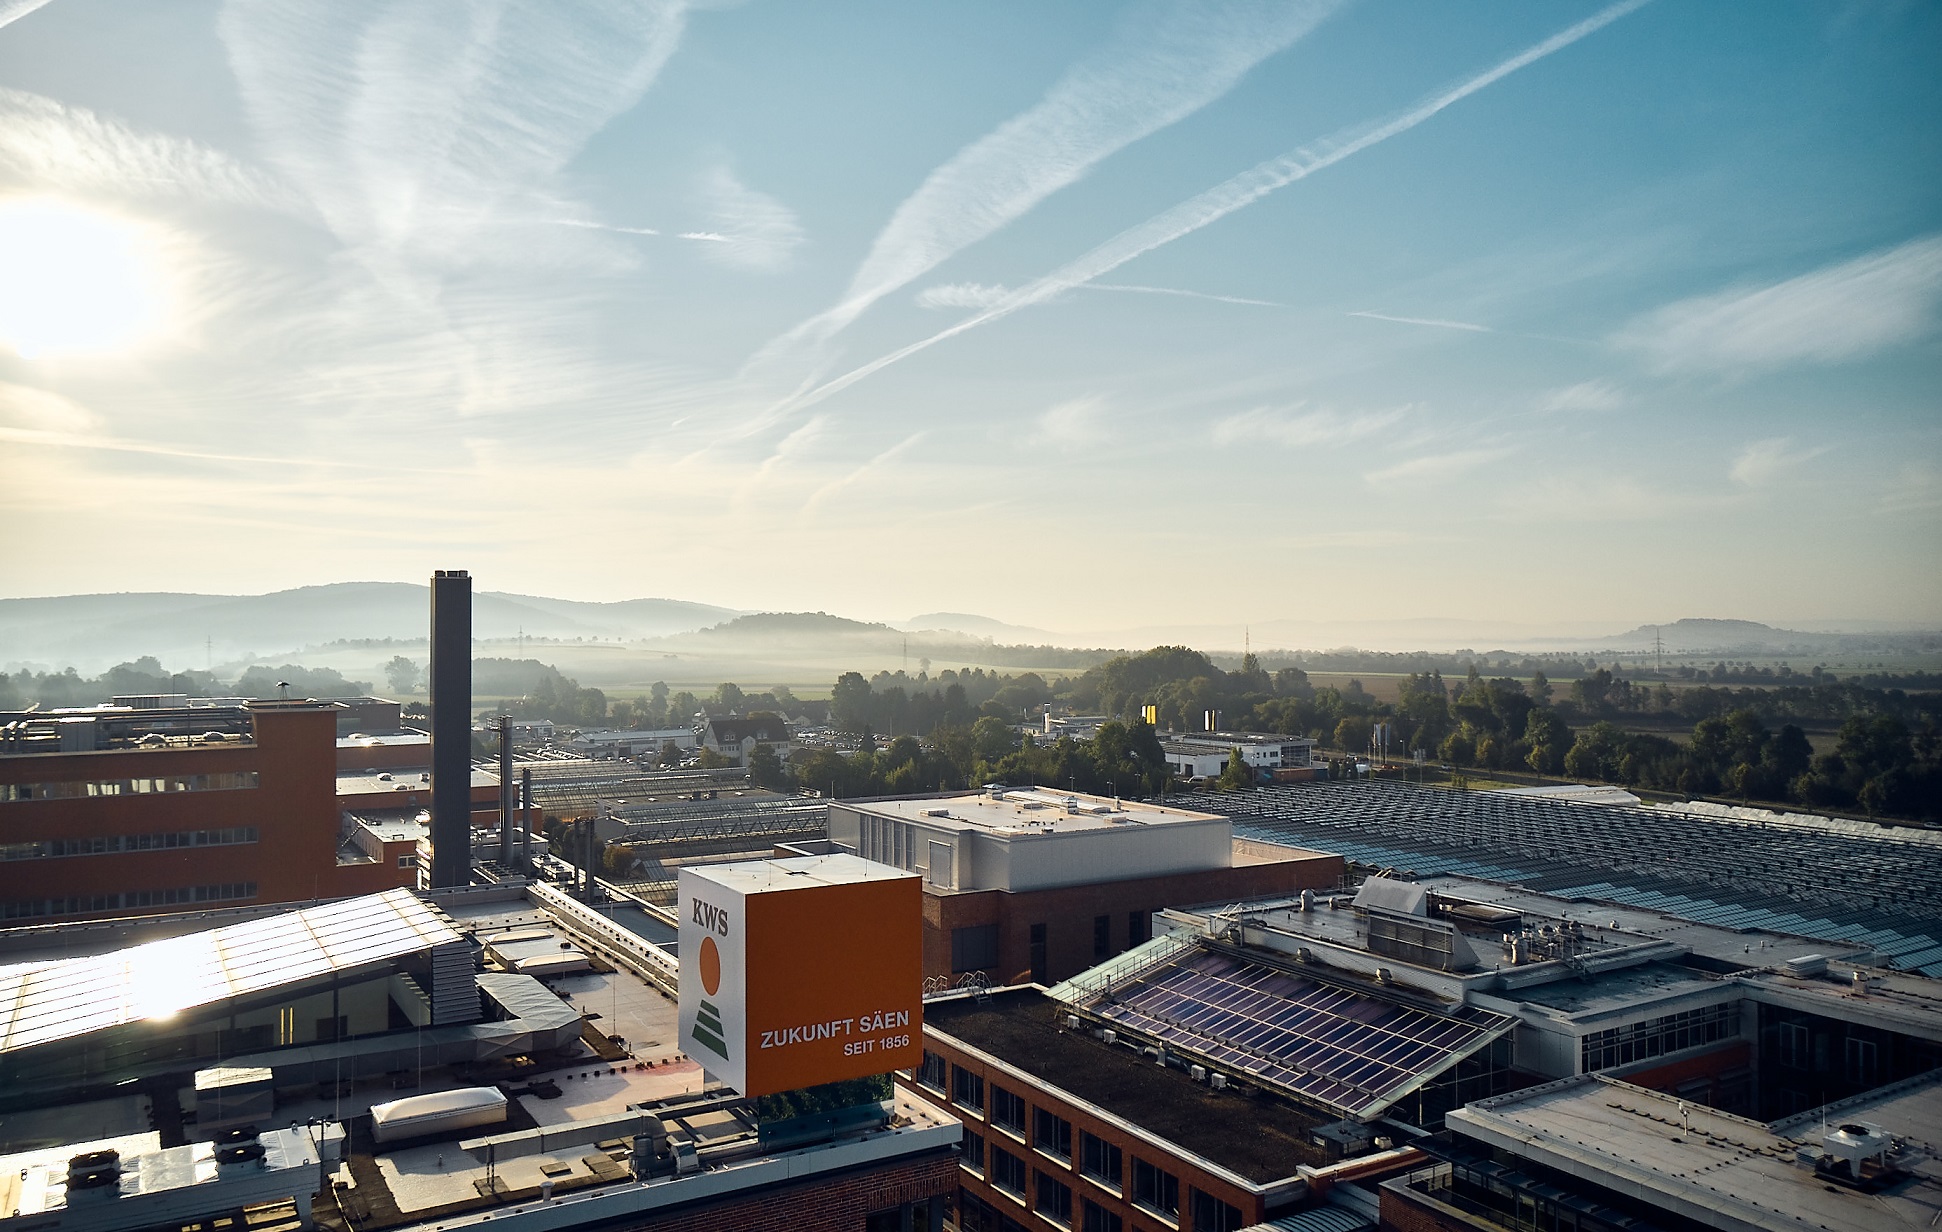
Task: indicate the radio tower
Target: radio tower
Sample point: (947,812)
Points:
(1658,651)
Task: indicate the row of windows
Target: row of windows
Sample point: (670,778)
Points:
(50,848)
(975,947)
(77,789)
(1153,1188)
(83,904)
(1658,1036)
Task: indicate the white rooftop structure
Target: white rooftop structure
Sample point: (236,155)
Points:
(1030,838)
(132,1182)
(1726,1171)
(41,1002)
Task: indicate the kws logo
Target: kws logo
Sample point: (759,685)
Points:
(711,917)
(708,1030)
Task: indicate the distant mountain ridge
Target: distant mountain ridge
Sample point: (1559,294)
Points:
(1696,634)
(181,629)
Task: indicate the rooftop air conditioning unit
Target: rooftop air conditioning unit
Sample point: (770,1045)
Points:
(1109,1035)
(1217,1081)
(1197,1072)
(1072,1022)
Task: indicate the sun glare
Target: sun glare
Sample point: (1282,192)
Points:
(75,281)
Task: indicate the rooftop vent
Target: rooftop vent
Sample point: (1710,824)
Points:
(1807,964)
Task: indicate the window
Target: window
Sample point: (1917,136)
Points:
(1102,936)
(974,948)
(1139,927)
(1054,1200)
(1155,1190)
(967,1089)
(931,1072)
(1099,1160)
(406,861)
(971,1152)
(1007,1110)
(1863,1067)
(1007,1172)
(1795,1050)
(1213,1215)
(1051,1134)
(1099,1219)
(1658,1036)
(1041,973)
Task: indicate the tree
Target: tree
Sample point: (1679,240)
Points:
(401,674)
(766,770)
(708,759)
(1236,775)
(728,697)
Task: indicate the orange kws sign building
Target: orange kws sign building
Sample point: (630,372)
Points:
(801,971)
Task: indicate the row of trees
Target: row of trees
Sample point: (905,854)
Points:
(146,675)
(1885,760)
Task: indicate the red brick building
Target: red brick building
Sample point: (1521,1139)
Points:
(1065,1132)
(127,824)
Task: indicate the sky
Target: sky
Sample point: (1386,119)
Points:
(1077,316)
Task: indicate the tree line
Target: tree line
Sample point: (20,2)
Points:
(1887,759)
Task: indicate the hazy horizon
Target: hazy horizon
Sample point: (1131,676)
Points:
(1143,316)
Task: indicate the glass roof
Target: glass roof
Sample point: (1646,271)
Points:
(46,1001)
(1346,1050)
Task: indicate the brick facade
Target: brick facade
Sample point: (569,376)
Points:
(838,1202)
(1069,913)
(293,807)
(978,1190)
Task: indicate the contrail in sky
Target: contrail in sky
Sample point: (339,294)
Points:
(14,10)
(1383,316)
(1218,202)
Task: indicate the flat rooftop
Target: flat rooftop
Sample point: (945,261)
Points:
(1742,947)
(797,872)
(1025,812)
(1619,990)
(1724,1171)
(1243,1129)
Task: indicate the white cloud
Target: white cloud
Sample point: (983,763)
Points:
(1080,421)
(1165,63)
(23,406)
(418,129)
(752,230)
(14,10)
(1584,396)
(1297,428)
(1762,462)
(1436,467)
(1841,312)
(1236,193)
(55,146)
(961,295)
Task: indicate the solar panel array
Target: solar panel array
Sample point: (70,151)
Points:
(1348,1051)
(47,1001)
(1872,891)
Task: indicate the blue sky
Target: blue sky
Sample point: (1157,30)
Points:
(1082,316)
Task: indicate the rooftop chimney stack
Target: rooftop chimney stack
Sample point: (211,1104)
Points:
(451,702)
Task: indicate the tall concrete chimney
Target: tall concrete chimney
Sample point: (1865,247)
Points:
(451,700)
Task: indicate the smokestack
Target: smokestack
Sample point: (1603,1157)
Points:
(505,790)
(451,699)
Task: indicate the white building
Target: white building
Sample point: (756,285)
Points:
(1204,754)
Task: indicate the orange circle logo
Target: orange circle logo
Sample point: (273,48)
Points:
(711,966)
